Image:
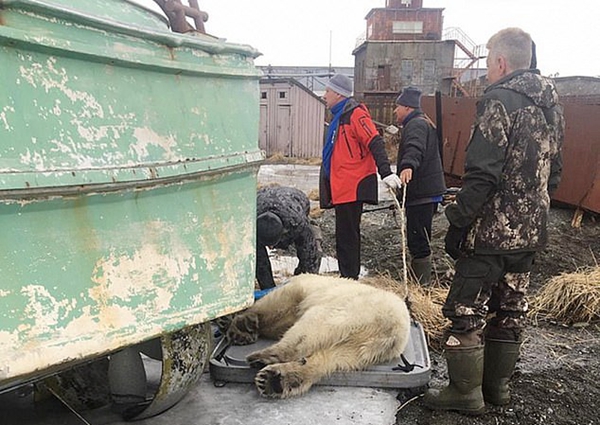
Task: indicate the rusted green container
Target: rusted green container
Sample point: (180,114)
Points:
(128,165)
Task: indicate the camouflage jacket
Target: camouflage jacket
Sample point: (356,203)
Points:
(512,162)
(292,206)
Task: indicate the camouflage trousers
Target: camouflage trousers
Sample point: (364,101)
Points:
(488,293)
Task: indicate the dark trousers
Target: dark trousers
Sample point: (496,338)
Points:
(264,273)
(347,238)
(418,229)
(490,284)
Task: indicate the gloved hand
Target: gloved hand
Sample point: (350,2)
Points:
(392,181)
(454,241)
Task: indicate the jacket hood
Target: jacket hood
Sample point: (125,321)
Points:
(531,84)
(350,105)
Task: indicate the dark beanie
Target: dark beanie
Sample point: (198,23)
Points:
(411,97)
(268,228)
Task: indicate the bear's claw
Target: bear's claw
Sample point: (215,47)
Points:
(276,381)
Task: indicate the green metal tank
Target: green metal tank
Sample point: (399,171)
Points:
(128,172)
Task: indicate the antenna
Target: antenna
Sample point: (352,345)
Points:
(330,42)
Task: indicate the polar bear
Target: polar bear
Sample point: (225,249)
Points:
(323,324)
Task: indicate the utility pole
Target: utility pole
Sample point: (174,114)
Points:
(330,43)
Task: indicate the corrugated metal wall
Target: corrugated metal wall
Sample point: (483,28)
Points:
(292,120)
(580,183)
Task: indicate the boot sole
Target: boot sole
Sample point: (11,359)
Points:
(470,412)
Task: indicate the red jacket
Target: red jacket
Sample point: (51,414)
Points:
(358,153)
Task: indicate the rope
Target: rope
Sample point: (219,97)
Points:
(63,401)
(402,212)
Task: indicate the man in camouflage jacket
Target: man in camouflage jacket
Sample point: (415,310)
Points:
(498,223)
(282,220)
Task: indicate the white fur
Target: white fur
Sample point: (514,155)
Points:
(324,324)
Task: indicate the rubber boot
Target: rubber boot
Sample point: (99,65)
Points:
(463,394)
(422,269)
(499,363)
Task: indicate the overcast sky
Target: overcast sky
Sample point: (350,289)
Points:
(567,33)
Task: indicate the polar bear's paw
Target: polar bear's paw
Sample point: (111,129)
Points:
(243,329)
(281,380)
(262,358)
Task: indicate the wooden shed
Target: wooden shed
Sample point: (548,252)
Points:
(292,119)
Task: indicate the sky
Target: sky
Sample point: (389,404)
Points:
(324,32)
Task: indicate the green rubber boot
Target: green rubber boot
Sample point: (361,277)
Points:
(463,394)
(422,269)
(500,359)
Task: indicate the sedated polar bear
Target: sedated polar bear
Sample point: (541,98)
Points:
(324,324)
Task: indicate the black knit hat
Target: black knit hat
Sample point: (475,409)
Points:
(411,97)
(268,228)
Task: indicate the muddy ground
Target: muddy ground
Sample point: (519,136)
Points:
(557,380)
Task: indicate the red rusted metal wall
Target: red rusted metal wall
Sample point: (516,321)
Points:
(580,183)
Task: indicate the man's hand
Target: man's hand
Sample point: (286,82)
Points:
(406,175)
(392,181)
(454,241)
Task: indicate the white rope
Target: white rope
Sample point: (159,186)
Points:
(402,213)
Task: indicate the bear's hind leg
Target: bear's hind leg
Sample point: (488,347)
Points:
(283,380)
(244,328)
(276,353)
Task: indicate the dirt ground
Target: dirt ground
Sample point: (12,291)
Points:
(557,377)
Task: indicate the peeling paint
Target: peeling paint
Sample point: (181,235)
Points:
(108,264)
(4,118)
(51,78)
(141,282)
(146,137)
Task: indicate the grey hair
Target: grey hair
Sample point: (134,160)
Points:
(514,45)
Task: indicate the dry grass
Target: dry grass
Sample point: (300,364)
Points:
(315,212)
(570,298)
(313,195)
(425,304)
(279,158)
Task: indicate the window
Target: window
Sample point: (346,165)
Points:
(407,27)
(429,70)
(406,69)
(263,95)
(282,94)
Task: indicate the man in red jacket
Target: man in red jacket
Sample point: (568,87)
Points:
(352,154)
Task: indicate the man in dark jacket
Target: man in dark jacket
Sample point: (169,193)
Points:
(282,220)
(352,154)
(420,168)
(498,223)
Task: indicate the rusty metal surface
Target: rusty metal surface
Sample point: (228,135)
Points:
(185,354)
(178,12)
(580,184)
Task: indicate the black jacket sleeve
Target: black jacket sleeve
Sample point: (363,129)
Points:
(309,258)
(377,148)
(414,144)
